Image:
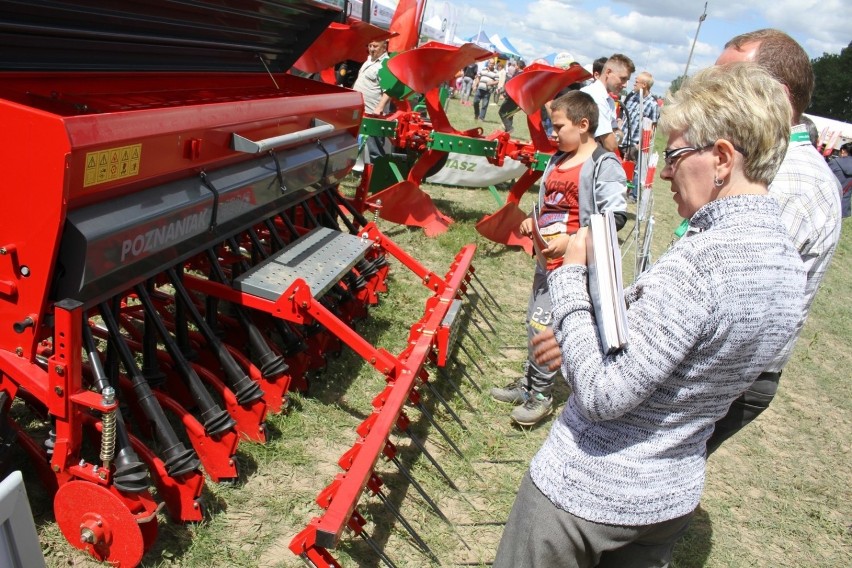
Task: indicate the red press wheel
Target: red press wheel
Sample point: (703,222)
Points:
(95,520)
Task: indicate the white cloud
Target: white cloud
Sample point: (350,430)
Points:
(656,34)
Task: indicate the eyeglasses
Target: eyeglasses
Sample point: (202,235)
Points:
(670,157)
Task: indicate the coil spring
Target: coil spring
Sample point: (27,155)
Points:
(376,211)
(108,427)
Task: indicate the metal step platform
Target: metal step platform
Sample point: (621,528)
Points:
(320,258)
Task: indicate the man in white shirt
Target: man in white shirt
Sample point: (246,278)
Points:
(616,73)
(375,100)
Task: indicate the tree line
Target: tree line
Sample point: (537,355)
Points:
(832,96)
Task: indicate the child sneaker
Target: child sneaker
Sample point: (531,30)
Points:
(515,392)
(534,409)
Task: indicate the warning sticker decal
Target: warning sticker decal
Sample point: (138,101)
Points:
(112,164)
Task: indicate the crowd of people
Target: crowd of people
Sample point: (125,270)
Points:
(712,323)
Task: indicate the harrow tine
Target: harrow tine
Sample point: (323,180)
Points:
(419,488)
(482,315)
(407,474)
(369,540)
(476,343)
(429,456)
(375,483)
(479,327)
(440,430)
(466,374)
(446,377)
(445,404)
(482,285)
(470,356)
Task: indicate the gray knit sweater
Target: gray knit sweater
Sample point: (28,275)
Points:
(704,321)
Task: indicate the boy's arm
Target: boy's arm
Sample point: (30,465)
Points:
(610,190)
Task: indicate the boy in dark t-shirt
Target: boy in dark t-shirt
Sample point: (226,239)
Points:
(580,179)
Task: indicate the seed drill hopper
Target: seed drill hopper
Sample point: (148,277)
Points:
(175,256)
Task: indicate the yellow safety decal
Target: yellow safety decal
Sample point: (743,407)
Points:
(112,164)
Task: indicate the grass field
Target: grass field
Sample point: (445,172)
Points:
(776,495)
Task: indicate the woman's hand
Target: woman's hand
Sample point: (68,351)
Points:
(546,350)
(526,227)
(556,247)
(575,253)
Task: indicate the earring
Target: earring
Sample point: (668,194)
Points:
(718,182)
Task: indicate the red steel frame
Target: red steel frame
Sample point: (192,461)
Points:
(341,497)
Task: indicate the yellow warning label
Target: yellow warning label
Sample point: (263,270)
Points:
(112,164)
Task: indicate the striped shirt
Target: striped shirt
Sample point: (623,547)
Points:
(629,447)
(809,195)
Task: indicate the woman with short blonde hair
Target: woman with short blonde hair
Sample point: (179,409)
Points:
(618,478)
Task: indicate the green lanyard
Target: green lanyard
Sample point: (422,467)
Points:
(799,137)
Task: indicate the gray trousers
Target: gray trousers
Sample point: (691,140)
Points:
(539,379)
(539,534)
(744,409)
(375,147)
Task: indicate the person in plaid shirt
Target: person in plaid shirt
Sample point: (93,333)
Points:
(637,105)
(809,196)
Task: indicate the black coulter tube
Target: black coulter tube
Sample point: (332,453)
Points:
(245,389)
(216,420)
(178,459)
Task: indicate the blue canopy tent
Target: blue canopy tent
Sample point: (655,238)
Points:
(503,46)
(481,39)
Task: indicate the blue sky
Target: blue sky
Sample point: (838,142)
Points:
(656,34)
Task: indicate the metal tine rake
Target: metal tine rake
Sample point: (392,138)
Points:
(445,404)
(465,374)
(473,360)
(375,486)
(481,284)
(390,453)
(357,523)
(445,376)
(414,398)
(479,327)
(475,343)
(422,447)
